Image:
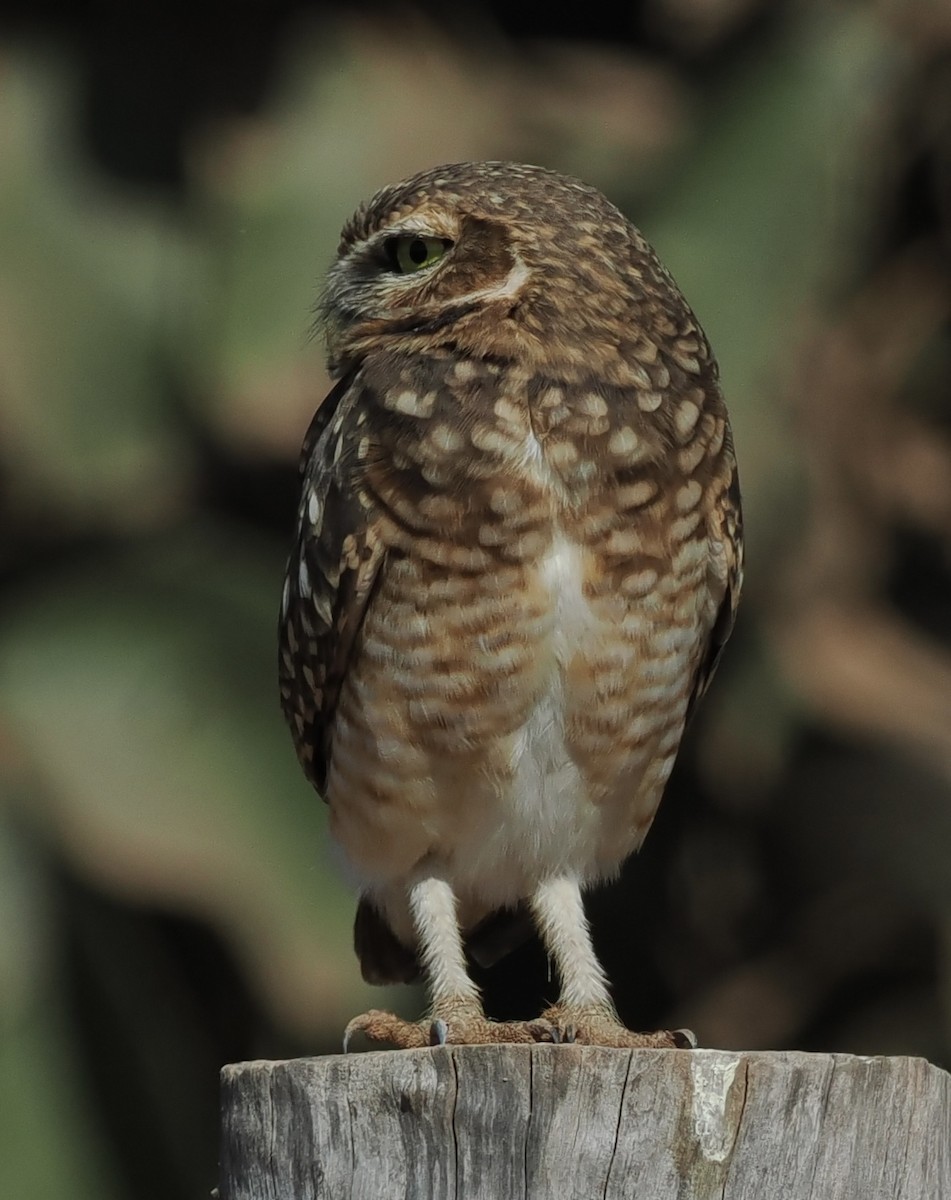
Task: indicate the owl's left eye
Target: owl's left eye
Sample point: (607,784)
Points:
(411,252)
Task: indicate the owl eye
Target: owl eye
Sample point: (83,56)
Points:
(411,252)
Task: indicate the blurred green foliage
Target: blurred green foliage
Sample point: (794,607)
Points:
(168,897)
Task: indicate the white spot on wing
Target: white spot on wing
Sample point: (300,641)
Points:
(313,508)
(623,440)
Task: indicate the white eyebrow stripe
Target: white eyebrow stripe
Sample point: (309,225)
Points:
(510,286)
(409,227)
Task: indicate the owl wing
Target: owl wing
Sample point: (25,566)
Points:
(727,532)
(332,572)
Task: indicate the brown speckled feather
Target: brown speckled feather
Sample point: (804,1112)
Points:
(728,516)
(331,575)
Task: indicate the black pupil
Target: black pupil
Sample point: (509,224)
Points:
(417,251)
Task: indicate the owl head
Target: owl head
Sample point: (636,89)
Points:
(497,258)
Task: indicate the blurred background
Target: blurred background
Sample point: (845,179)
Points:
(170,195)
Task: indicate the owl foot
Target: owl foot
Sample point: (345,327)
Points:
(454,1025)
(600,1027)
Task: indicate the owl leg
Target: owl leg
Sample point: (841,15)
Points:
(584,1012)
(456,1013)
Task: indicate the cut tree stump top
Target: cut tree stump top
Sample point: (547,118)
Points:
(579,1122)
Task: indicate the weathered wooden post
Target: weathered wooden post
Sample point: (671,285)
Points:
(577,1122)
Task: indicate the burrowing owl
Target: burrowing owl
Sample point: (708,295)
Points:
(517,559)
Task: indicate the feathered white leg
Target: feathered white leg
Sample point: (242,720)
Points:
(584,1012)
(457,1015)
(559,913)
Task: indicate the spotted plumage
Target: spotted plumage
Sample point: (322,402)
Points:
(517,559)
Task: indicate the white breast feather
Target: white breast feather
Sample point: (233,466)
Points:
(544,823)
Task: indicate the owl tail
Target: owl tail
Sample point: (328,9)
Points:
(385,959)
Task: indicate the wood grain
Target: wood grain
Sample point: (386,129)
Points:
(577,1122)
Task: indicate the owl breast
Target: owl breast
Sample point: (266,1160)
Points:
(520,688)
(588,765)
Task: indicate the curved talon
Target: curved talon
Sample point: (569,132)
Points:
(354,1026)
(438,1032)
(380,1026)
(684,1039)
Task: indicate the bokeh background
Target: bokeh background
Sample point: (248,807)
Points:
(170,194)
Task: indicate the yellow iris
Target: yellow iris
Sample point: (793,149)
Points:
(412,252)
